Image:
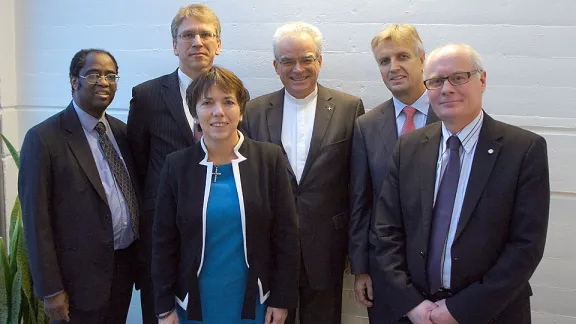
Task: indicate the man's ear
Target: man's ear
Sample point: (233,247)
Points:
(74,83)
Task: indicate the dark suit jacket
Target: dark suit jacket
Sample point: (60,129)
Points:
(375,134)
(66,217)
(271,228)
(322,195)
(500,235)
(157,126)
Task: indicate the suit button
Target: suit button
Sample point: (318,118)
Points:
(110,248)
(422,254)
(107,217)
(456,258)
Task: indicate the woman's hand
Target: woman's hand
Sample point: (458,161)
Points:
(276,315)
(171,319)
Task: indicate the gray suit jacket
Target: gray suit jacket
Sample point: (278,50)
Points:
(322,194)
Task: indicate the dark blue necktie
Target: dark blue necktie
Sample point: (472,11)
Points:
(443,214)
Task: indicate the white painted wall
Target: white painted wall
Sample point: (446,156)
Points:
(528,47)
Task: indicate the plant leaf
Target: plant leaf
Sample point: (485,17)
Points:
(14,216)
(24,267)
(5,284)
(15,310)
(12,150)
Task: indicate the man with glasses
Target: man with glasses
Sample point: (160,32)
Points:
(77,186)
(461,220)
(314,125)
(399,53)
(160,122)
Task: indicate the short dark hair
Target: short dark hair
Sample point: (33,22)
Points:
(221,77)
(79,60)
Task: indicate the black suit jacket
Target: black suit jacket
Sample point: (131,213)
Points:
(271,228)
(157,126)
(322,194)
(66,217)
(500,235)
(375,134)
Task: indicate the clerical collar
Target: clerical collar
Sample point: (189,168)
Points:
(184,80)
(304,101)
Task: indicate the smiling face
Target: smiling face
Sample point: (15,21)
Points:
(219,115)
(458,105)
(401,69)
(94,98)
(196,55)
(299,80)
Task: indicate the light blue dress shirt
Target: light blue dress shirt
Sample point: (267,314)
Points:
(422,105)
(121,223)
(469,138)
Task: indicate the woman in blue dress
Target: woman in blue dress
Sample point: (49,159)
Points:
(225,240)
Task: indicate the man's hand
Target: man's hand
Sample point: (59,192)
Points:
(421,313)
(276,315)
(363,289)
(441,315)
(171,319)
(57,307)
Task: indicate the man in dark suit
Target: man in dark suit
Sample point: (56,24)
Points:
(460,223)
(314,126)
(79,205)
(400,55)
(160,123)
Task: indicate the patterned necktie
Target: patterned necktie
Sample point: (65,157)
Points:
(443,214)
(120,174)
(197,132)
(408,126)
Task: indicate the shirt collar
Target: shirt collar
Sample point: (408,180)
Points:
(239,157)
(422,104)
(301,102)
(184,80)
(468,135)
(88,121)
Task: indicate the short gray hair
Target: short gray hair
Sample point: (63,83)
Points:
(297,27)
(472,53)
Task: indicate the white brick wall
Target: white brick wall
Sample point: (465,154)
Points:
(528,48)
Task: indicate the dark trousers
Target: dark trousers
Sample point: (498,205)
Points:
(317,306)
(116,311)
(147,298)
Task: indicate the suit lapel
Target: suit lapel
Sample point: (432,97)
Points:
(427,168)
(431,117)
(170,93)
(482,166)
(389,129)
(324,112)
(274,116)
(76,139)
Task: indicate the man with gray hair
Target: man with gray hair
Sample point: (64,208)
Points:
(160,122)
(460,223)
(314,126)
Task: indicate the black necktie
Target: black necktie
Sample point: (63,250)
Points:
(443,214)
(120,174)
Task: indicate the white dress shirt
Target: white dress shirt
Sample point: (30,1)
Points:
(184,81)
(422,105)
(297,125)
(469,138)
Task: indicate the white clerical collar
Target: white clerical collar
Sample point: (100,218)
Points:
(301,102)
(184,80)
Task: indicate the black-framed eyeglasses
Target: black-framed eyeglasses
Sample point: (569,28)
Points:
(289,63)
(189,36)
(93,78)
(455,79)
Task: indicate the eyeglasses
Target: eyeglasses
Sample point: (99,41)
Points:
(94,78)
(189,36)
(455,79)
(289,63)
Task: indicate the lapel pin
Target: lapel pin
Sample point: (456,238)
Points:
(490,151)
(329,107)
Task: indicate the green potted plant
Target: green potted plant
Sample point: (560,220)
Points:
(17,301)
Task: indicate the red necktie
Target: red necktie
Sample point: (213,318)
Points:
(197,132)
(408,126)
